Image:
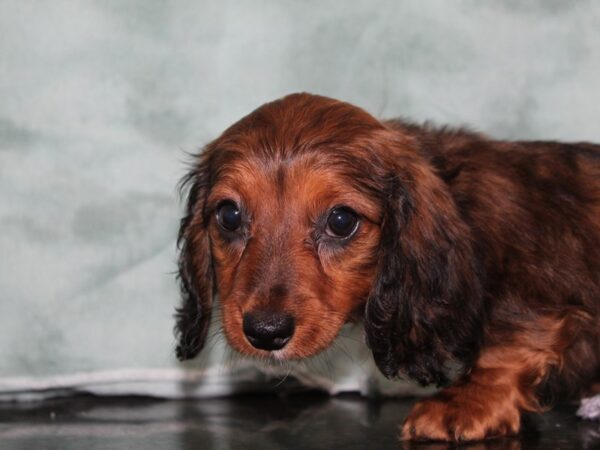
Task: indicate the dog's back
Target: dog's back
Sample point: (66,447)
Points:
(534,212)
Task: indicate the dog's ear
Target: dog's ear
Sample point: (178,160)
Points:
(196,277)
(424,313)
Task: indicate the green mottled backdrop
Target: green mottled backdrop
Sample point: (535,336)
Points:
(100,100)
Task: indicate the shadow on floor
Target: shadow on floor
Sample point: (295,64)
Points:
(306,421)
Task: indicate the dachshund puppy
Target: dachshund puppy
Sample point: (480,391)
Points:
(473,263)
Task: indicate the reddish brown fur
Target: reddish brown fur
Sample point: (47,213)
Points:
(469,251)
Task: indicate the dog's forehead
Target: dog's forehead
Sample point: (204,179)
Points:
(297,123)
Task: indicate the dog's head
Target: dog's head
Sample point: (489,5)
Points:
(309,213)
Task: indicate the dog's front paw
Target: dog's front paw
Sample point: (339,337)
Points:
(452,418)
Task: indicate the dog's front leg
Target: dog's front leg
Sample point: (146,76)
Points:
(484,404)
(487,402)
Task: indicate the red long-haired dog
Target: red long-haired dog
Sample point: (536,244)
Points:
(460,254)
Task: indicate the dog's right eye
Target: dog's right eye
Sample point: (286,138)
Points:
(229,216)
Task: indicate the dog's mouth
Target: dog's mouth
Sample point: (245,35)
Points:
(280,335)
(286,352)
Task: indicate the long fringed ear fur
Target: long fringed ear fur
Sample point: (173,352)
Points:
(195,264)
(425,310)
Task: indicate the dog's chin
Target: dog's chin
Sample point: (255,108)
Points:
(291,352)
(288,353)
(280,355)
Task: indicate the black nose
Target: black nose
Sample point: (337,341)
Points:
(268,330)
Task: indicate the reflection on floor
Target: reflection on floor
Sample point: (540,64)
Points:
(307,421)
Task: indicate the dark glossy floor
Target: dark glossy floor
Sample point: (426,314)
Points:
(302,421)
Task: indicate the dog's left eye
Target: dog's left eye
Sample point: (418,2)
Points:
(342,222)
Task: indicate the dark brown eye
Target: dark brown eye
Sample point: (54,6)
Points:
(342,222)
(229,216)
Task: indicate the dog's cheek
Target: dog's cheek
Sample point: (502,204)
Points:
(232,326)
(316,329)
(351,272)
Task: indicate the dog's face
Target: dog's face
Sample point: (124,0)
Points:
(293,219)
(294,245)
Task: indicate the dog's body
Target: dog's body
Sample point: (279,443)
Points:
(457,251)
